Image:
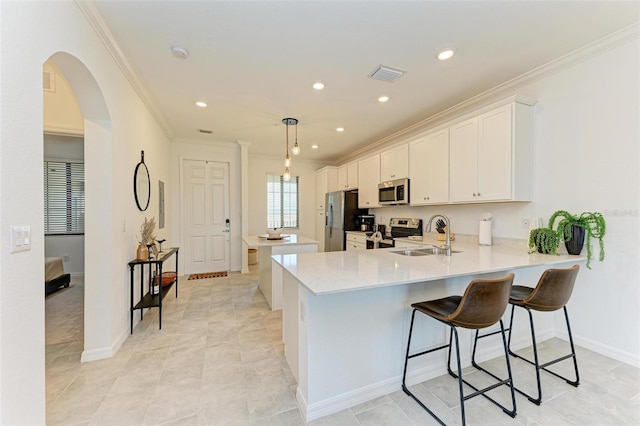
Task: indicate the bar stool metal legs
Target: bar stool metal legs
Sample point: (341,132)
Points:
(454,334)
(536,361)
(552,292)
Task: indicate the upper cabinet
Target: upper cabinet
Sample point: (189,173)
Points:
(326,181)
(490,156)
(429,169)
(348,176)
(394,163)
(368,179)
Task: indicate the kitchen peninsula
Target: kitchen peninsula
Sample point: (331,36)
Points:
(270,281)
(346,316)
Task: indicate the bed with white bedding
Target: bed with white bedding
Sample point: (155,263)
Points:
(54,276)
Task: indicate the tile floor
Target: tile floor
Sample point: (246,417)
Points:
(218,360)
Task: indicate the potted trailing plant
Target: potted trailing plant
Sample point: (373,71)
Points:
(545,240)
(575,229)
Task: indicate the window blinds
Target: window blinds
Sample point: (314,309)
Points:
(63,197)
(282,202)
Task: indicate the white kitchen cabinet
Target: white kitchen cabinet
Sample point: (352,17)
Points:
(356,241)
(463,165)
(394,163)
(368,180)
(490,156)
(348,176)
(429,169)
(326,181)
(320,222)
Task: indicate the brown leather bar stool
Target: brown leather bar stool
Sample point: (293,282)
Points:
(552,292)
(482,305)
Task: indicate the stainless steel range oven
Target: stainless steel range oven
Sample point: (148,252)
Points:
(398,228)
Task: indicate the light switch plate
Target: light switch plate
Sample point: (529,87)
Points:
(19,238)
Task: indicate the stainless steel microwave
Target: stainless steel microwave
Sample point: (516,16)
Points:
(393,192)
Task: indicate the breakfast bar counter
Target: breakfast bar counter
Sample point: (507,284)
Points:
(270,280)
(346,316)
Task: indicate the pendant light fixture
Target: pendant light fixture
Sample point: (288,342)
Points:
(296,148)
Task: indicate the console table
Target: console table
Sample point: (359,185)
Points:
(150,300)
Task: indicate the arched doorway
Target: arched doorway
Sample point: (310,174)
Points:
(98,194)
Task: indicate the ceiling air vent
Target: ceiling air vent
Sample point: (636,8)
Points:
(205,131)
(388,74)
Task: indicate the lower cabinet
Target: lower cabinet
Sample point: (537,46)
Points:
(356,241)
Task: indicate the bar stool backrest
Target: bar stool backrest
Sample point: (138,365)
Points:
(553,290)
(483,303)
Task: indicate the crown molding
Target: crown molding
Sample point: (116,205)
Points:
(97,22)
(598,47)
(211,144)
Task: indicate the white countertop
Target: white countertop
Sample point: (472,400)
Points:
(292,239)
(333,272)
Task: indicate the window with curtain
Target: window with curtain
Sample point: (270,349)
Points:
(282,202)
(63,198)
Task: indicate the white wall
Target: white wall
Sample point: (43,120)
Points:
(586,133)
(31,32)
(259,167)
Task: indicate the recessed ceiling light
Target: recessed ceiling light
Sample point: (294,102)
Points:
(340,129)
(445,54)
(179,52)
(201,104)
(383,99)
(314,146)
(318,86)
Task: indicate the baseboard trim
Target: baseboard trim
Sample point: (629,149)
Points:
(606,350)
(106,352)
(367,393)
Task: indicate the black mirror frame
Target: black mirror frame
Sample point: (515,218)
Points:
(141,168)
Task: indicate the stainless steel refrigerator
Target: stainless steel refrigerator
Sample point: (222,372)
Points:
(341,215)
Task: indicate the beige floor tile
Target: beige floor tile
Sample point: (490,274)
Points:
(219,360)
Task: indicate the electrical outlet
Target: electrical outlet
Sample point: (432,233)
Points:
(494,223)
(525,223)
(303,311)
(65,258)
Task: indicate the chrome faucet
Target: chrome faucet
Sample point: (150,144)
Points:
(447,244)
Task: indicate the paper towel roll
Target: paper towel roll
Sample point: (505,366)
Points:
(484,233)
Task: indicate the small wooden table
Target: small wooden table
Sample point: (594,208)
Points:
(150,300)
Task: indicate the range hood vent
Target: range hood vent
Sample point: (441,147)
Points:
(385,73)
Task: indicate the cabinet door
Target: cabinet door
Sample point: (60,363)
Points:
(463,164)
(368,179)
(494,154)
(321,188)
(394,164)
(352,175)
(418,153)
(343,182)
(348,176)
(320,221)
(326,181)
(429,169)
(437,167)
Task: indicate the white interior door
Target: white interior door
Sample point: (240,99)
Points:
(206,216)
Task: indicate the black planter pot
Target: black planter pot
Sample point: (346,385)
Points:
(576,242)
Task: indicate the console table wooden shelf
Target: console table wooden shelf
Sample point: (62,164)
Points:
(150,300)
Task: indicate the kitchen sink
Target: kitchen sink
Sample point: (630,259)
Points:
(427,251)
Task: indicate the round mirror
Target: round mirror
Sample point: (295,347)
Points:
(142,185)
